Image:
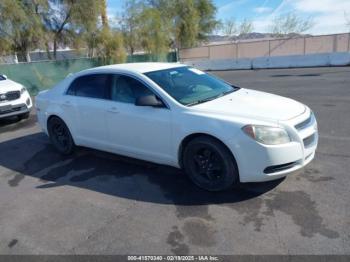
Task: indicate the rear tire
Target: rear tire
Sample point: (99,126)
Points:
(209,164)
(60,136)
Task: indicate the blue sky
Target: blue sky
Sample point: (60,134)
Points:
(328,16)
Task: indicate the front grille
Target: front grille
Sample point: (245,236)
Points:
(308,141)
(9,96)
(277,168)
(13,95)
(305,123)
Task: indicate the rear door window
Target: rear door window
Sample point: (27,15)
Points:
(93,86)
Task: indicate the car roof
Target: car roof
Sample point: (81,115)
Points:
(139,67)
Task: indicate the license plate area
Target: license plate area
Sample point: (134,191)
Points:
(5,108)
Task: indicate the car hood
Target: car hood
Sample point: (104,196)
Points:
(9,85)
(254,104)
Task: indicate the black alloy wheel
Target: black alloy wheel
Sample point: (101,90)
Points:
(60,136)
(209,164)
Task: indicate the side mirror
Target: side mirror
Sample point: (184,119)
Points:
(4,76)
(150,100)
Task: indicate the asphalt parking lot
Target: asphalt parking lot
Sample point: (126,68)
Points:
(98,203)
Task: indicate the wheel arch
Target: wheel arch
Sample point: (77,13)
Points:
(192,136)
(53,115)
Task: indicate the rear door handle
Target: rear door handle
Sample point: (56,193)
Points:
(113,110)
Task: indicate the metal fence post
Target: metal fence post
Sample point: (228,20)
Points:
(16,58)
(176,55)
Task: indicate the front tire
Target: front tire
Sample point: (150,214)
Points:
(60,136)
(209,164)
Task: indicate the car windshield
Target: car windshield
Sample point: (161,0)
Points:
(190,86)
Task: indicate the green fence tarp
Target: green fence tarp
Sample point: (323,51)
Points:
(39,76)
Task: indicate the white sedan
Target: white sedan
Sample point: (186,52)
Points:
(177,115)
(14,99)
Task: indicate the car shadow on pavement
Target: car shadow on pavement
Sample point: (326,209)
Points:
(13,123)
(123,177)
(8,121)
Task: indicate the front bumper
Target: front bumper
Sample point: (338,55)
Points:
(257,162)
(19,106)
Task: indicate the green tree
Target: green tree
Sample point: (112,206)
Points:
(130,25)
(154,36)
(5,45)
(69,20)
(145,27)
(103,10)
(187,21)
(93,36)
(110,46)
(110,43)
(207,20)
(21,27)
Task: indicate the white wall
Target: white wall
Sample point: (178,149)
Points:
(327,50)
(312,60)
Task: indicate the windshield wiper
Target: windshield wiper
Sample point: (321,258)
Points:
(210,98)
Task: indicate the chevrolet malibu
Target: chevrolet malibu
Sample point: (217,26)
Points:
(177,115)
(14,99)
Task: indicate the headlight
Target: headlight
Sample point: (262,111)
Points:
(313,118)
(23,90)
(267,134)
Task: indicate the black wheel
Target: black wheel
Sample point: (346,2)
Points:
(60,136)
(209,164)
(23,116)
